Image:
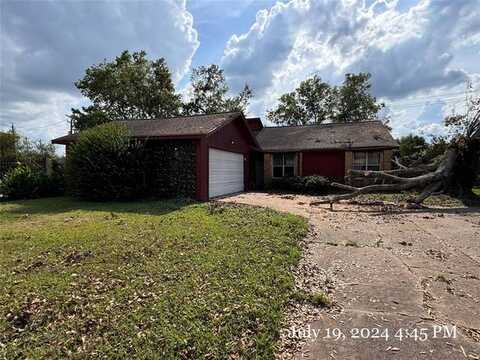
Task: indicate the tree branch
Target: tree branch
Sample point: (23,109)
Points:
(396,161)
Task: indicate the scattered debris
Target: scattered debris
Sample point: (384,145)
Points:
(19,321)
(77,256)
(436,254)
(352,243)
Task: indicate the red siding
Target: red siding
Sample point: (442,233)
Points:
(324,163)
(255,124)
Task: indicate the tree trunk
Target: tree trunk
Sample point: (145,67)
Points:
(455,175)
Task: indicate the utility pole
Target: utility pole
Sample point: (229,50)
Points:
(14,145)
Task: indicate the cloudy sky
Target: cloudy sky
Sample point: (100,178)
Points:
(421,53)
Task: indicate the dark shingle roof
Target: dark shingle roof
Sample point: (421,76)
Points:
(175,126)
(179,126)
(367,134)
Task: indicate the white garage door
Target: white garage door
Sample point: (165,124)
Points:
(225,174)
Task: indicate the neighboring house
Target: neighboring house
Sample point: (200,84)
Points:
(227,153)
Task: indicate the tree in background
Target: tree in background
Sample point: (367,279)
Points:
(210,93)
(19,150)
(8,151)
(354,101)
(34,153)
(88,117)
(311,102)
(415,149)
(315,102)
(130,87)
(8,146)
(28,169)
(437,146)
(411,148)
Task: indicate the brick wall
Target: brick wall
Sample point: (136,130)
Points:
(348,161)
(387,159)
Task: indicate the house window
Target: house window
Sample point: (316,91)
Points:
(369,161)
(283,165)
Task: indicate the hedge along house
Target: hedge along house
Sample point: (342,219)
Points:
(205,156)
(200,156)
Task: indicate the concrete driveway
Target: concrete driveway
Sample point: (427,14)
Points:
(406,283)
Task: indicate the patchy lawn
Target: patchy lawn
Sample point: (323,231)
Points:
(143,280)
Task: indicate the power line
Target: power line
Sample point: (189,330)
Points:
(415,106)
(441,95)
(420,102)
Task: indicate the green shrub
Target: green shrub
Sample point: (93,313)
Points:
(19,183)
(106,165)
(307,184)
(24,183)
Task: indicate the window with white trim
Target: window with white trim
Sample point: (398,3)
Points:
(283,165)
(366,160)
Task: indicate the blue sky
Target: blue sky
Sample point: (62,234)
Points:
(216,21)
(421,53)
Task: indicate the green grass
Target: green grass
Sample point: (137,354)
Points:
(153,280)
(319,299)
(435,200)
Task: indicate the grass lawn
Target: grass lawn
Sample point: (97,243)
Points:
(143,280)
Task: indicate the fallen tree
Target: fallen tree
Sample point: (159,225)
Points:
(455,174)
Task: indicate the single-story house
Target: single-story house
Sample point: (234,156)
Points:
(228,153)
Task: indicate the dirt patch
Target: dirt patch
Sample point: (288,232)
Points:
(390,268)
(76,257)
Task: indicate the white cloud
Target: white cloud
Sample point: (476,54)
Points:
(46,46)
(407,51)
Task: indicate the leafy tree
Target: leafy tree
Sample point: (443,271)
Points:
(16,149)
(437,147)
(130,87)
(311,102)
(8,145)
(315,101)
(412,147)
(88,117)
(354,101)
(210,93)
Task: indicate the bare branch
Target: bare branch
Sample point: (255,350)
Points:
(396,161)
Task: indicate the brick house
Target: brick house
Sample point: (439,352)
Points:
(206,156)
(328,150)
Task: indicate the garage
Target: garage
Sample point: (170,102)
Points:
(225,172)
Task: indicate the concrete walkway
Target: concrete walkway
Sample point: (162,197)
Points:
(405,280)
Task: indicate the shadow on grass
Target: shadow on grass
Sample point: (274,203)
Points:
(57,205)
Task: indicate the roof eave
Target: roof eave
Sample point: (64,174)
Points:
(381,147)
(244,120)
